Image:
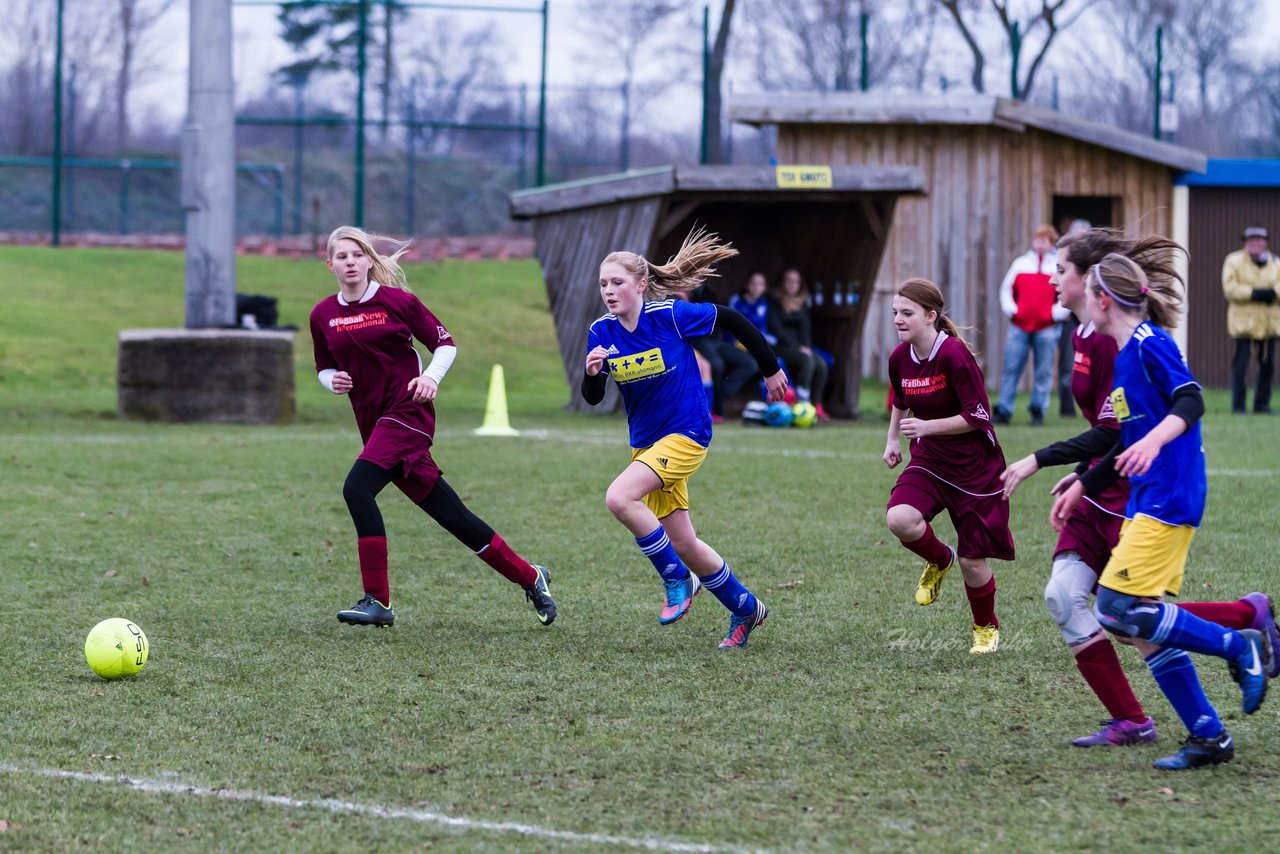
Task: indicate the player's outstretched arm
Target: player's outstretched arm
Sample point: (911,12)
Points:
(737,325)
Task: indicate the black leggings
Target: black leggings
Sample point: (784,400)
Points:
(366,480)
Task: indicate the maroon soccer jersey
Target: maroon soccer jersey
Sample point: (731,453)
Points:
(1095,361)
(372,340)
(949,383)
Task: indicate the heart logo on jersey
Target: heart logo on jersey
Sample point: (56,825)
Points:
(639,360)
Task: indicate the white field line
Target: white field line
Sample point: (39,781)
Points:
(592,437)
(331,805)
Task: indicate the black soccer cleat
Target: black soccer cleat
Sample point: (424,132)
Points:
(540,595)
(1198,752)
(368,612)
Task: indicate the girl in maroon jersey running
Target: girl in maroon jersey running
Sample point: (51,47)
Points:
(1085,544)
(940,404)
(363,338)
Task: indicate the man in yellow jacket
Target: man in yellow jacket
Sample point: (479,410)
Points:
(1250,278)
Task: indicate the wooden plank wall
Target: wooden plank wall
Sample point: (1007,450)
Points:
(1218,216)
(570,247)
(988,188)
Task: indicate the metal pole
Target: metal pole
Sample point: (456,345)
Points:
(297,155)
(864,69)
(706,84)
(279,223)
(541,171)
(124,196)
(1015,43)
(624,144)
(1159,74)
(362,41)
(522,171)
(71,143)
(411,157)
(55,230)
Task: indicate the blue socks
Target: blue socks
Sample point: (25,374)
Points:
(730,592)
(1183,630)
(656,546)
(1176,676)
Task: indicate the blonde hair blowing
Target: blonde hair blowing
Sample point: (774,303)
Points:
(685,271)
(1124,280)
(386,268)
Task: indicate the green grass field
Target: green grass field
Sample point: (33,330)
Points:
(854,721)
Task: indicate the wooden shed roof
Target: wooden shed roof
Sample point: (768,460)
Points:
(729,181)
(890,109)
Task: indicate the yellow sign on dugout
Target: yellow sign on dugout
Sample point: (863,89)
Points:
(804,177)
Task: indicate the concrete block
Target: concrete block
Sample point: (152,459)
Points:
(206,375)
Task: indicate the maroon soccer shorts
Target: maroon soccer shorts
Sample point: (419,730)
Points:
(1090,532)
(981,522)
(392,445)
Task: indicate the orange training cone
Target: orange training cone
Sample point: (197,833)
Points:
(495,409)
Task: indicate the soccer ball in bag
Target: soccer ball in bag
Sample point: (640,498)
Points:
(803,414)
(116,648)
(778,415)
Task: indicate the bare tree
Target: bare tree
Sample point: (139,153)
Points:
(714,130)
(1208,32)
(1050,17)
(817,44)
(455,70)
(26,78)
(645,64)
(134,21)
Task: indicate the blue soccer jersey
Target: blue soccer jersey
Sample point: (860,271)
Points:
(1148,370)
(656,370)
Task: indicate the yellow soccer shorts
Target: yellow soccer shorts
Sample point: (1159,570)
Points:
(1150,558)
(673,458)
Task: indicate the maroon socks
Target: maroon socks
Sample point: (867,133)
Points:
(373,568)
(512,567)
(1100,667)
(982,602)
(932,549)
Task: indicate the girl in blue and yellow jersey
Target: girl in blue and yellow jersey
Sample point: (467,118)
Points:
(643,343)
(1159,405)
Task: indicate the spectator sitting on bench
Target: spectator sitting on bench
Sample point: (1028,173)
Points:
(790,323)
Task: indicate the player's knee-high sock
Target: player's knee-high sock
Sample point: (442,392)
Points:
(656,546)
(373,568)
(1101,669)
(729,590)
(1233,615)
(982,602)
(446,508)
(932,549)
(1176,676)
(1180,629)
(512,567)
(364,482)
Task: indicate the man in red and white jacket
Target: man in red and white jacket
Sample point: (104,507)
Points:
(1029,301)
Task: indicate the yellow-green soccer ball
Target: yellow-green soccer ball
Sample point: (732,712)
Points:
(116,648)
(803,415)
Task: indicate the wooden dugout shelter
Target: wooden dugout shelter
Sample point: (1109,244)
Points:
(994,170)
(1231,195)
(834,230)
